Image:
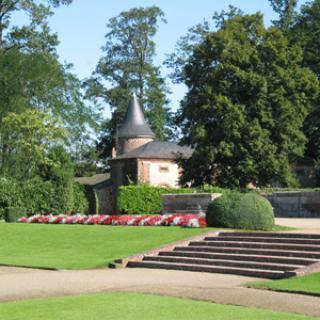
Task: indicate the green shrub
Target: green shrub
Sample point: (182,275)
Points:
(37,196)
(80,201)
(61,176)
(241,211)
(12,214)
(144,199)
(34,195)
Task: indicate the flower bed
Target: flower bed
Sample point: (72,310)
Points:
(178,220)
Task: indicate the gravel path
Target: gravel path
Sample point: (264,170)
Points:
(18,283)
(308,225)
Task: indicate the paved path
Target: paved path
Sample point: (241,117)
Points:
(309,225)
(18,283)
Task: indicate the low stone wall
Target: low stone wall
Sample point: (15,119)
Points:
(304,204)
(187,202)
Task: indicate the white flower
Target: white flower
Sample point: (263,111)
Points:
(193,223)
(176,221)
(131,222)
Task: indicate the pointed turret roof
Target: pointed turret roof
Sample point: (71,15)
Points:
(134,124)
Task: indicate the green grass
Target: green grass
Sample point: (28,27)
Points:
(79,246)
(277,228)
(309,284)
(129,306)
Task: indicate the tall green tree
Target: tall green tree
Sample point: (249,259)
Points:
(247,100)
(186,45)
(127,66)
(302,27)
(306,32)
(35,33)
(29,136)
(286,10)
(31,75)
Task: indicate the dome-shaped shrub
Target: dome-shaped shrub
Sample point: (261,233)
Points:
(241,211)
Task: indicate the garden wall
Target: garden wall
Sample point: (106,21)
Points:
(302,204)
(188,202)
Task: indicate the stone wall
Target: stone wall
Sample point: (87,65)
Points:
(187,202)
(305,204)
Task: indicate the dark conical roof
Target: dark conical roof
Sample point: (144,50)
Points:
(134,124)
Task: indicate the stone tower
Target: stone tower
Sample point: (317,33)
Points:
(134,131)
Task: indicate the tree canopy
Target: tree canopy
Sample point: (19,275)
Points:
(28,137)
(35,34)
(248,96)
(306,32)
(43,83)
(127,66)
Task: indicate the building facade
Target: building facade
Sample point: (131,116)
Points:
(138,158)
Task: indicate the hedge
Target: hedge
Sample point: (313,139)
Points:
(80,200)
(144,199)
(241,211)
(38,196)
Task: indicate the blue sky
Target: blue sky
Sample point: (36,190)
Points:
(82,25)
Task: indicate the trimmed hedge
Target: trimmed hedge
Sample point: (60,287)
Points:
(144,199)
(241,211)
(38,196)
(12,214)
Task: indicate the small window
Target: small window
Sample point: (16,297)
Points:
(163,169)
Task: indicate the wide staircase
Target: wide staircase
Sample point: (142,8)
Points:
(257,254)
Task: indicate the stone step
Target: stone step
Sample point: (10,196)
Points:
(226,263)
(270,235)
(240,257)
(212,269)
(264,239)
(251,251)
(260,245)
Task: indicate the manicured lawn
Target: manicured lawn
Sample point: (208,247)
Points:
(309,284)
(129,306)
(80,246)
